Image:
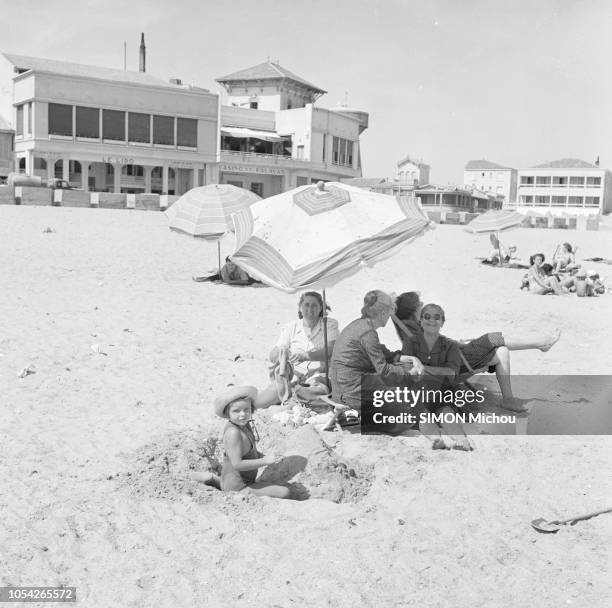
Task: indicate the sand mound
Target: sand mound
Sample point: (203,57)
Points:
(309,466)
(161,469)
(313,470)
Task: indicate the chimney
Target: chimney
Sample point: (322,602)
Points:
(142,54)
(597,161)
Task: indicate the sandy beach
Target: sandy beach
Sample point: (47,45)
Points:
(127,354)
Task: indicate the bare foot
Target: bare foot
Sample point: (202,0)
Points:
(440,444)
(551,343)
(513,404)
(206,477)
(463,444)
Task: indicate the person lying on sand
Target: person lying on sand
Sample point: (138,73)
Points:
(232,274)
(241,459)
(489,352)
(510,258)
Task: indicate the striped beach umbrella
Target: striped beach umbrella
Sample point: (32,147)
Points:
(205,212)
(495,221)
(314,236)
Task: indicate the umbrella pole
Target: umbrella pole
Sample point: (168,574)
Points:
(501,262)
(325,342)
(219,255)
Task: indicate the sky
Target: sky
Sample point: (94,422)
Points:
(516,82)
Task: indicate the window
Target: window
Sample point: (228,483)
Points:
(542,201)
(593,181)
(575,201)
(558,201)
(234,183)
(324,145)
(257,187)
(559,181)
(526,180)
(576,181)
(163,130)
(301,181)
(133,170)
(19,122)
(253,105)
(139,128)
(342,152)
(29,131)
(113,125)
(87,122)
(542,180)
(591,201)
(187,132)
(300,151)
(60,119)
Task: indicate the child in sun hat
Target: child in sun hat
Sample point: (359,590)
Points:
(241,459)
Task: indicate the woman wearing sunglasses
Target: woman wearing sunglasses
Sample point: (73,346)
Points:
(491,350)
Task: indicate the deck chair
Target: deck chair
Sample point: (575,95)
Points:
(463,378)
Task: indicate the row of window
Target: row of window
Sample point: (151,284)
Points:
(557,180)
(560,201)
(342,151)
(117,125)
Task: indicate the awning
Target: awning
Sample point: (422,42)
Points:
(250,133)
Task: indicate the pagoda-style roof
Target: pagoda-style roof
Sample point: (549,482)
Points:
(268,71)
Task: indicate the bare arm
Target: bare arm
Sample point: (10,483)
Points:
(232,440)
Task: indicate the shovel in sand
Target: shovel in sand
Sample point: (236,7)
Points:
(541,525)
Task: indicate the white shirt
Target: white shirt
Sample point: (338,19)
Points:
(296,336)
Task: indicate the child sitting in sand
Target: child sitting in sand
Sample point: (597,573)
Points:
(241,459)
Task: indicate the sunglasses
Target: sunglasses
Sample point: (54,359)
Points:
(436,317)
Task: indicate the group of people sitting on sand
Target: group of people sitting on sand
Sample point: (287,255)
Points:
(563,276)
(356,359)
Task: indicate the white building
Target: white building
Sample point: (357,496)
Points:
(108,130)
(7,137)
(567,185)
(273,138)
(412,173)
(490,177)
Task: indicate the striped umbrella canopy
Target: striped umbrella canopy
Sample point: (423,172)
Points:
(205,212)
(314,236)
(495,221)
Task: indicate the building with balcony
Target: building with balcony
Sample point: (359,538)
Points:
(569,185)
(273,137)
(7,138)
(490,177)
(108,130)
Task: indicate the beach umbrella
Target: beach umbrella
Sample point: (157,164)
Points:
(314,236)
(494,222)
(205,212)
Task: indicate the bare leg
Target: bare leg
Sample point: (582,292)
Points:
(267,397)
(501,361)
(206,477)
(543,343)
(266,489)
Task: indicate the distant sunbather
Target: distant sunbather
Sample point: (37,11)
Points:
(539,282)
(564,259)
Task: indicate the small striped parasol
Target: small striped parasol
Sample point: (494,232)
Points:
(205,212)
